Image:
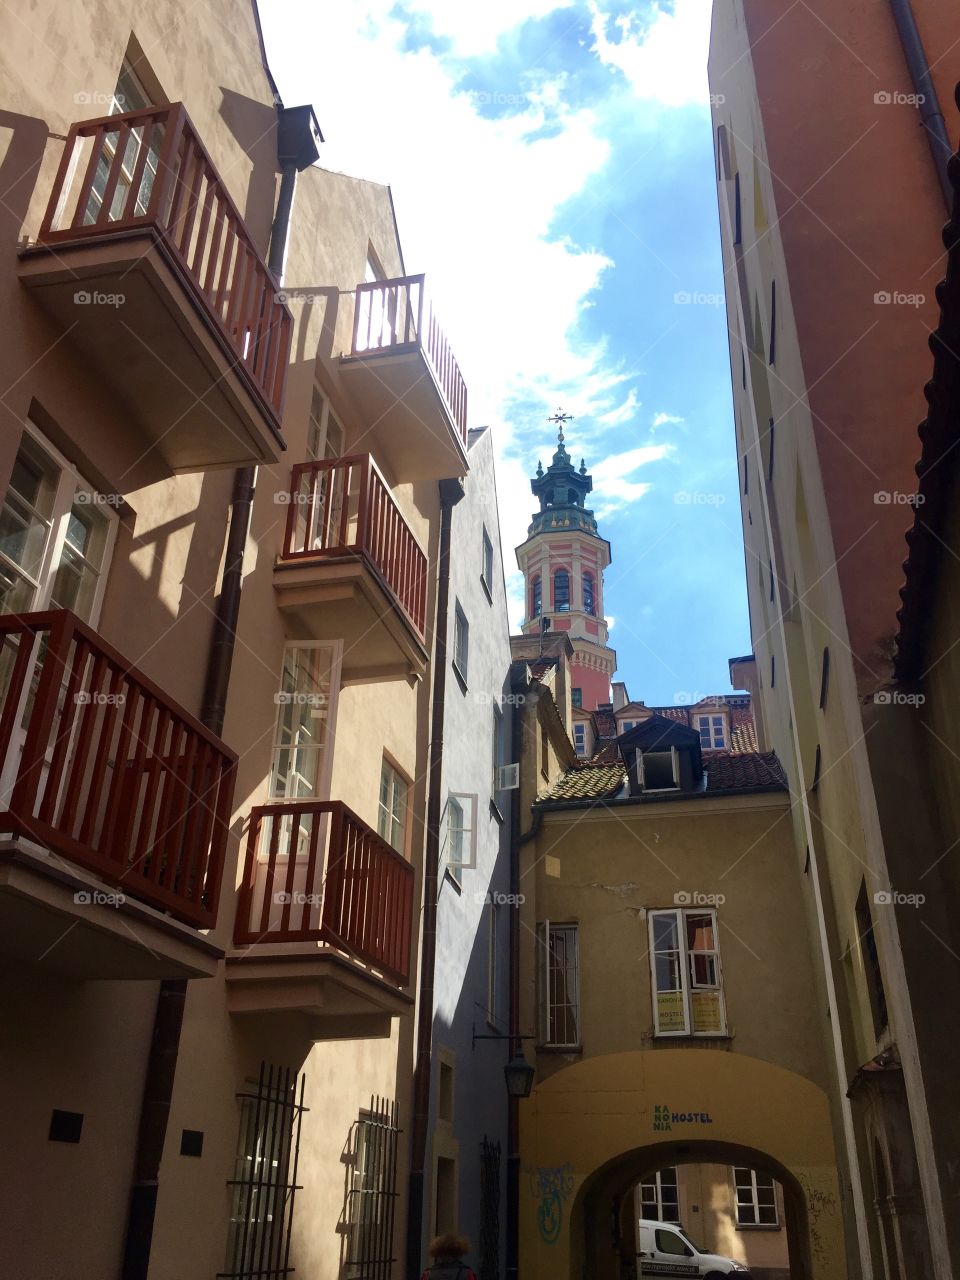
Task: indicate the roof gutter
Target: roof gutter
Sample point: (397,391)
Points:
(934,124)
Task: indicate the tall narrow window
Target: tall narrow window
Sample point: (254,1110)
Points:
(129,95)
(737,215)
(493,954)
(660,1197)
(871,962)
(306,706)
(536,597)
(461,642)
(371,1192)
(486,564)
(324,433)
(559,985)
(56,536)
(461,834)
(771,442)
(392,810)
(824,678)
(580,738)
(576,697)
(588,597)
(561,591)
(773,321)
(756,1198)
(685,966)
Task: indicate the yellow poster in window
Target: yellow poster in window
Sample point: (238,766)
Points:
(670,1013)
(706,1012)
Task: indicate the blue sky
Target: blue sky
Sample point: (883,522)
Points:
(552,170)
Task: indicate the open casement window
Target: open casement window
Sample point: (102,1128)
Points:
(713,731)
(129,95)
(460,837)
(660,1197)
(324,433)
(392,809)
(756,1198)
(658,770)
(559,967)
(306,715)
(56,536)
(687,980)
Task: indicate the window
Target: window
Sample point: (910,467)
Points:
(746,474)
(461,835)
(392,810)
(486,567)
(324,433)
(493,951)
(536,597)
(687,980)
(756,1198)
(576,697)
(660,1197)
(588,597)
(771,442)
(871,962)
(306,705)
(371,1191)
(497,752)
(561,591)
(559,985)
(737,215)
(263,1193)
(772,581)
(445,1091)
(773,322)
(627,725)
(670,1242)
(580,738)
(713,732)
(461,642)
(824,678)
(445,1215)
(658,770)
(544,752)
(56,536)
(129,95)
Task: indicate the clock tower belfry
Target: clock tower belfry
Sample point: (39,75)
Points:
(563,562)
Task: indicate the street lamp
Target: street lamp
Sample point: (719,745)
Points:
(519,1075)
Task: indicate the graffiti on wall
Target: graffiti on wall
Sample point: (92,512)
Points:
(820,1206)
(551,1188)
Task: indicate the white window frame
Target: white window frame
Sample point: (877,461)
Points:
(467,803)
(713,730)
(674,764)
(752,1189)
(320,451)
(395,775)
(486,562)
(461,641)
(688,984)
(654,1183)
(580,738)
(69,484)
(322,788)
(547,1004)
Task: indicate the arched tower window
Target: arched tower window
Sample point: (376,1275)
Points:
(589,599)
(536,597)
(561,591)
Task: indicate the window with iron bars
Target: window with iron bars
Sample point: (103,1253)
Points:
(265,1182)
(372,1193)
(489,1210)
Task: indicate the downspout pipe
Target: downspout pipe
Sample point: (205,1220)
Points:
(518,685)
(451,491)
(934,124)
(172,996)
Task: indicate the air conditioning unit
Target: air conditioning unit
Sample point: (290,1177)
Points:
(508,777)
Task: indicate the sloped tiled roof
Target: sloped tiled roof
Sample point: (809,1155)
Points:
(743,730)
(727,771)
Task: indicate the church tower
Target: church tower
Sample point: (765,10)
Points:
(562,561)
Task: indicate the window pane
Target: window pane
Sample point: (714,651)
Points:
(561,591)
(302,721)
(668,971)
(81,558)
(700,933)
(665,935)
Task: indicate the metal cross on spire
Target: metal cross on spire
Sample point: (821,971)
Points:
(560,418)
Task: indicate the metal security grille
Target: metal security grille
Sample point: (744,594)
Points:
(489,1210)
(265,1184)
(372,1195)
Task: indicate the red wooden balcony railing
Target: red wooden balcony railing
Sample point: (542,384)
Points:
(315,872)
(343,507)
(149,169)
(393,316)
(101,767)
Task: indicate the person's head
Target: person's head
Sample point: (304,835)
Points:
(448,1248)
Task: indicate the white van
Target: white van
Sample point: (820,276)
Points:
(665,1250)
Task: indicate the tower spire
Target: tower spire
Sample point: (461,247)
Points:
(560,418)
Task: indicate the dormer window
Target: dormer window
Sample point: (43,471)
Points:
(588,596)
(658,770)
(561,591)
(713,732)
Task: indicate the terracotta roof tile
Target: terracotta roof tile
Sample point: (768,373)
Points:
(589,782)
(603,775)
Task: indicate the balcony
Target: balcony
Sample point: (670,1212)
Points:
(406,381)
(114,806)
(352,569)
(144,261)
(324,921)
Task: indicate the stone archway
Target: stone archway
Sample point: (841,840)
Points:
(593,1252)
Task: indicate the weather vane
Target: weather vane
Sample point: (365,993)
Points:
(560,418)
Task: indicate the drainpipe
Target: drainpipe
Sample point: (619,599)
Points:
(517,685)
(172,996)
(923,86)
(451,491)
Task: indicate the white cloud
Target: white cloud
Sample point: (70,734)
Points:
(623,412)
(611,477)
(664,61)
(664,420)
(475,28)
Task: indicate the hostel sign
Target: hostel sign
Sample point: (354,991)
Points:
(664,1118)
